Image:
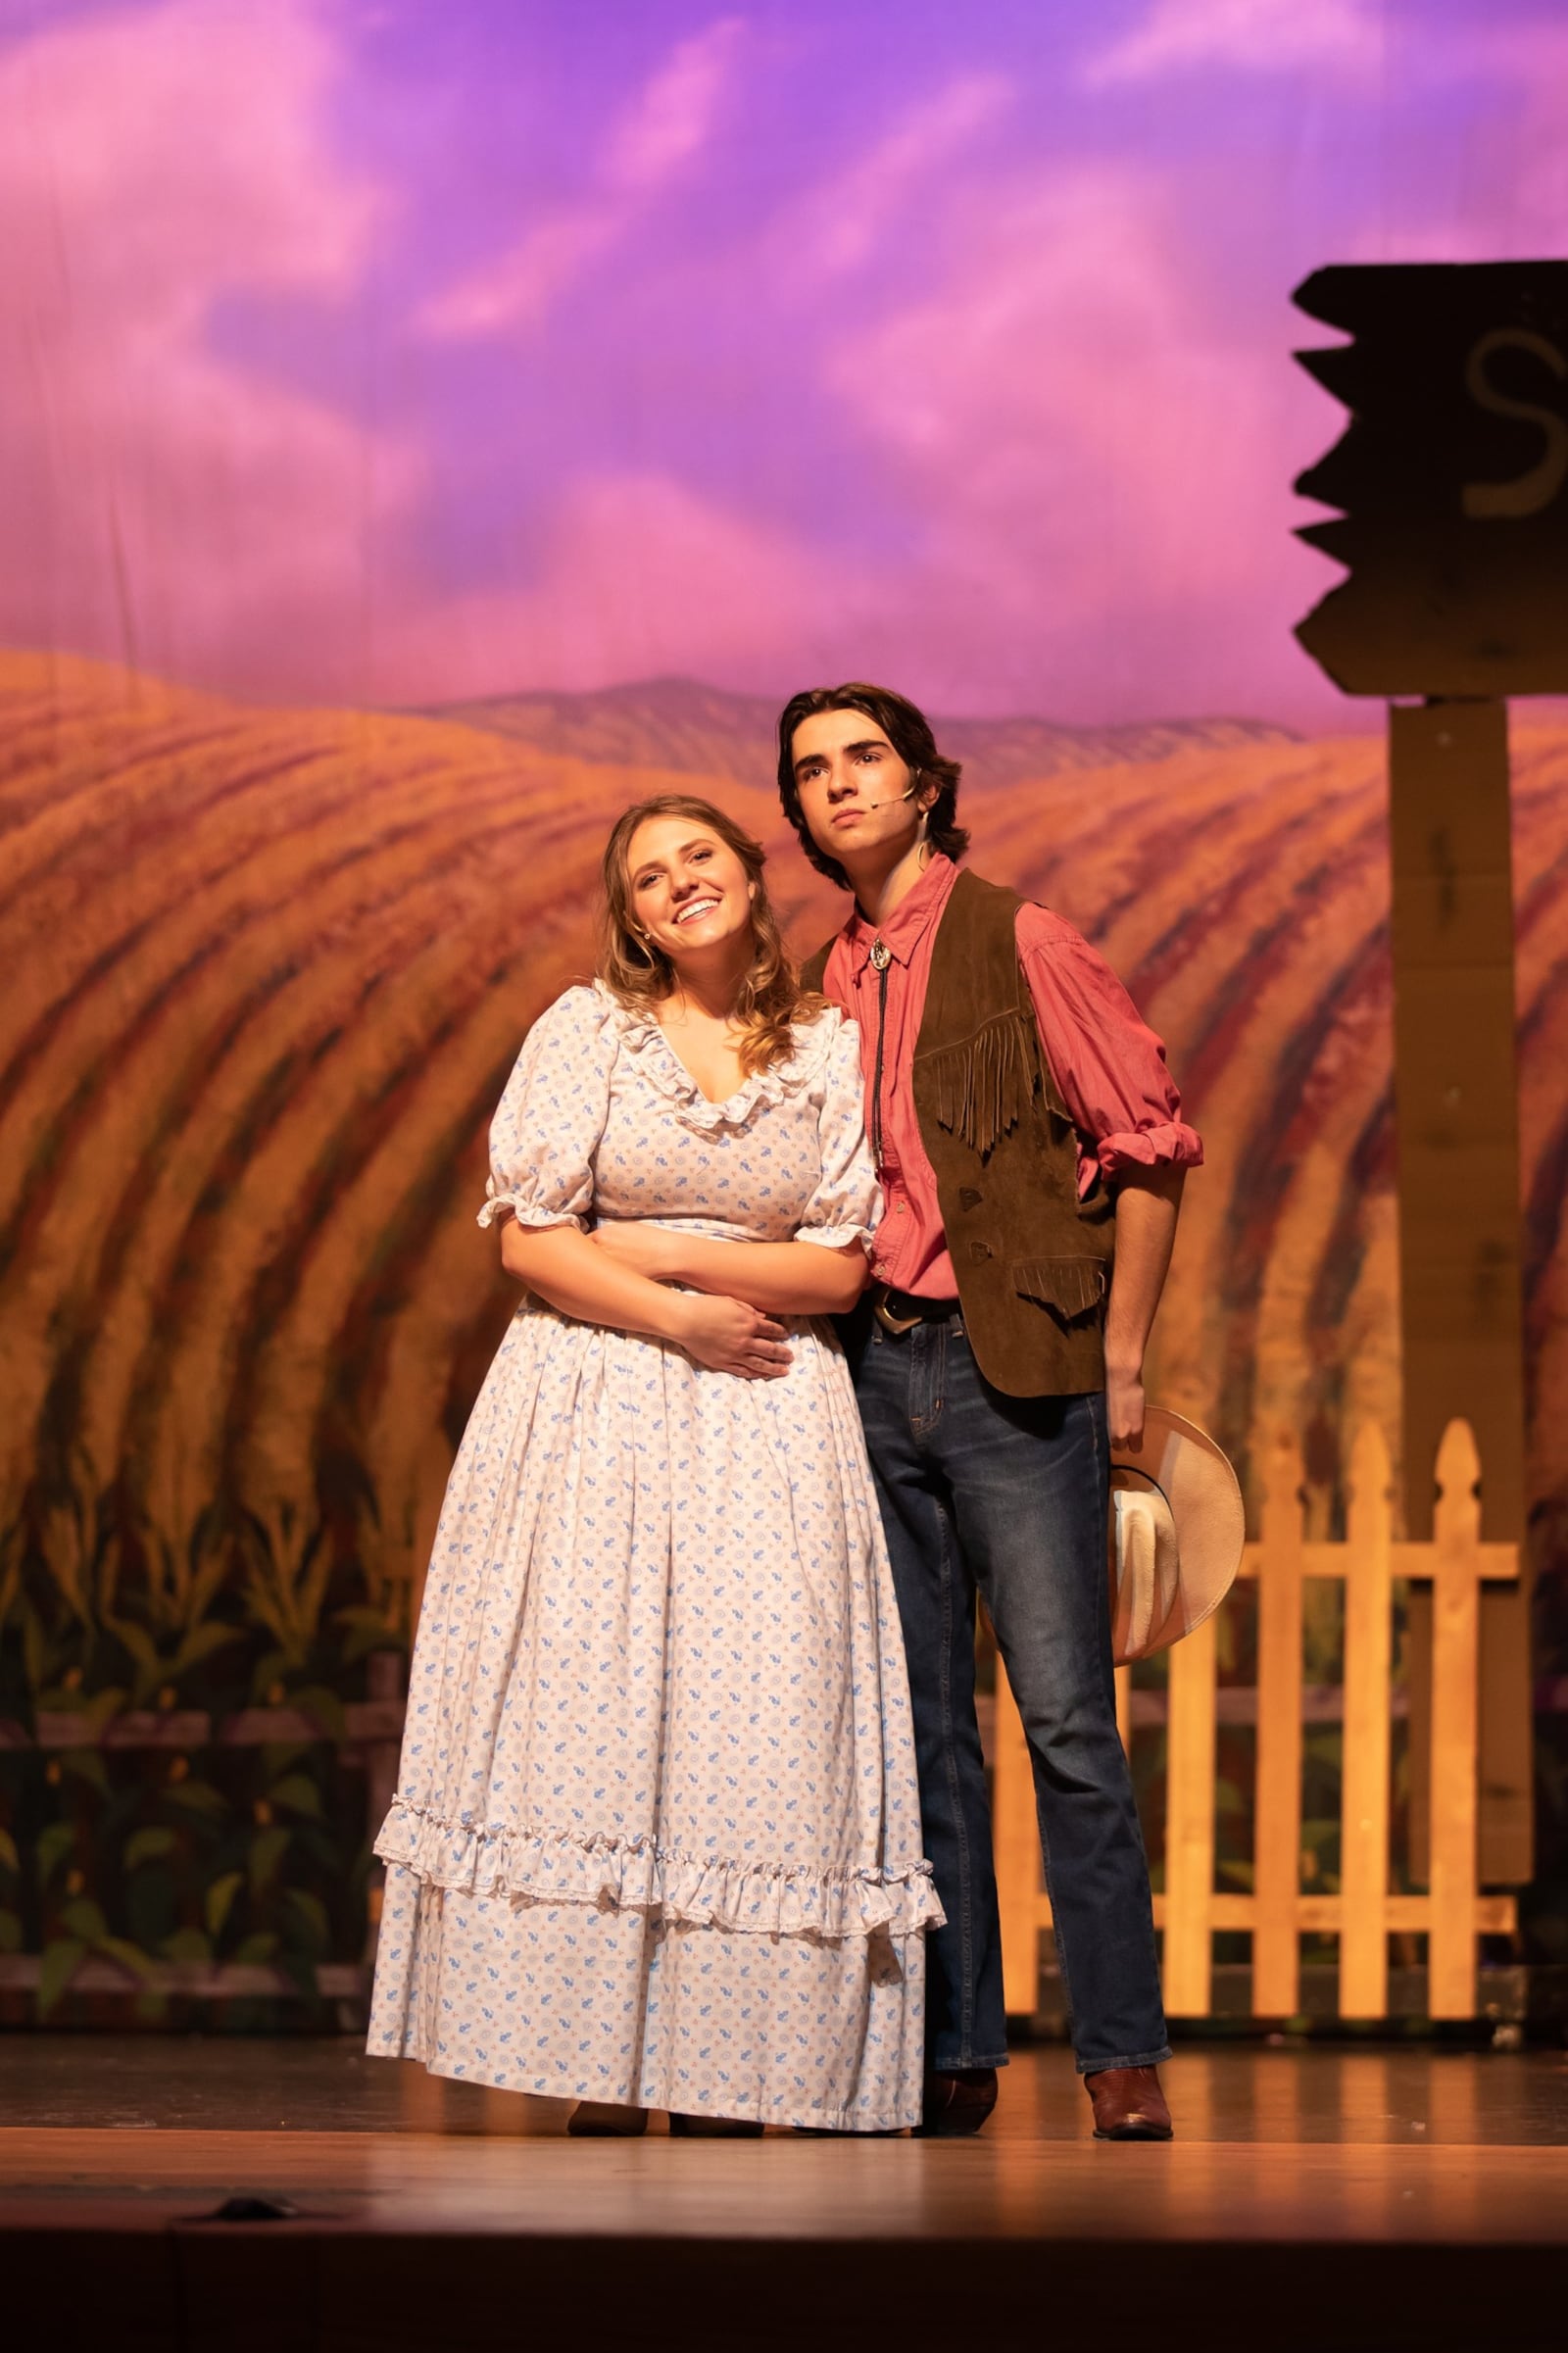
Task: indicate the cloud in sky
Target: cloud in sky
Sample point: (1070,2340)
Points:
(642,563)
(671,119)
(1268,36)
(838,225)
(1069,407)
(663,129)
(806,358)
(162,500)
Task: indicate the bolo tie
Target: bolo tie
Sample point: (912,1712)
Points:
(881,959)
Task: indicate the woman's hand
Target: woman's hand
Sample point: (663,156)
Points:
(729,1337)
(617,1276)
(646,1249)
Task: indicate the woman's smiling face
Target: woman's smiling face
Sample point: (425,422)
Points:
(689,891)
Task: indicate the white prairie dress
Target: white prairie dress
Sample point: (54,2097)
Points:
(657,1837)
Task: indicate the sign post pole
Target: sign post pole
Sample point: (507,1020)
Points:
(1456,1101)
(1455,1096)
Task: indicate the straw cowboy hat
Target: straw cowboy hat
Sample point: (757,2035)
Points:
(1177,1528)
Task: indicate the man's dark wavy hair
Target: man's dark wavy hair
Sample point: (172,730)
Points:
(907,730)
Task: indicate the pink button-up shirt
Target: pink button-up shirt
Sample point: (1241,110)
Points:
(1108,1064)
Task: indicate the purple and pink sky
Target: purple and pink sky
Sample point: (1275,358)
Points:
(375,349)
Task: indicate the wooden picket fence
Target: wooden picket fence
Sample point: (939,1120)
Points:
(1277,1911)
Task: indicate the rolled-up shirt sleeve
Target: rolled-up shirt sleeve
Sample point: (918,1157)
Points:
(1108,1063)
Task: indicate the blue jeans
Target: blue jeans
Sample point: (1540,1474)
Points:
(1009,1496)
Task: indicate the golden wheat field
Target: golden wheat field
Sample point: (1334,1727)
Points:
(265,971)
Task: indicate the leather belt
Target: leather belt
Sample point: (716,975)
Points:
(898,1311)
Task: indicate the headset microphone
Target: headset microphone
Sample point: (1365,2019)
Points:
(897,798)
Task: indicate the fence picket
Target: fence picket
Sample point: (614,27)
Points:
(1190,1826)
(1455,1646)
(1277,1806)
(1364,1752)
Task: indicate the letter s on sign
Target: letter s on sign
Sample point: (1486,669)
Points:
(1526,494)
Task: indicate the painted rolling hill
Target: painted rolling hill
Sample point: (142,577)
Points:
(266,971)
(703,730)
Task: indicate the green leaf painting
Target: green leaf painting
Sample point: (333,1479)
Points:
(184,1789)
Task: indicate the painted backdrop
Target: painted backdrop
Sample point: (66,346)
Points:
(425,431)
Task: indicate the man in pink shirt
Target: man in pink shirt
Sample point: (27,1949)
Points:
(1031,1150)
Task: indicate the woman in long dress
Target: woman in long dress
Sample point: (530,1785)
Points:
(656,1837)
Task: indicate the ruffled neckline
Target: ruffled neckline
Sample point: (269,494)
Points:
(660,1065)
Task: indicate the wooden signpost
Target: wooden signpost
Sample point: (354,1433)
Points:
(1452,485)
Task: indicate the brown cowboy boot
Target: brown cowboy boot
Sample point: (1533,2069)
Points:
(957,2103)
(1128,2104)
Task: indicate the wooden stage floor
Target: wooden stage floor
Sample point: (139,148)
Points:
(1315,2197)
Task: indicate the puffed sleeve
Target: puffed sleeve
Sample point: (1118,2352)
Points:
(848,1201)
(548,1123)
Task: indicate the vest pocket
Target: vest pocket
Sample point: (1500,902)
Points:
(1071,1287)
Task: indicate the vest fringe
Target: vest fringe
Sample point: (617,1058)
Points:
(983,1086)
(1070,1286)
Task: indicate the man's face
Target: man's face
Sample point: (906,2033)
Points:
(854,787)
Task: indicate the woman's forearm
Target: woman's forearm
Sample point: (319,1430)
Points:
(567,1271)
(783,1278)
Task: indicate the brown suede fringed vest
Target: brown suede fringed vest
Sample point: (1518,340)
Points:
(1033,1262)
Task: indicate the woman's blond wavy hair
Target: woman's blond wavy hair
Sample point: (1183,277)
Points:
(640,975)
